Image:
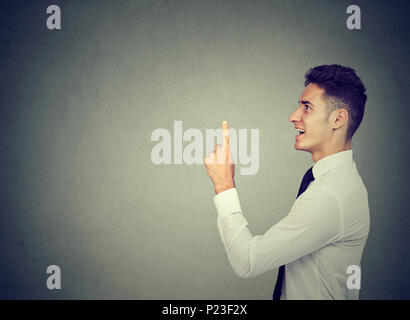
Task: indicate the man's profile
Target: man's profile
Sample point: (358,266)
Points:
(326,229)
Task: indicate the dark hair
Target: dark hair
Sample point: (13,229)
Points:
(343,89)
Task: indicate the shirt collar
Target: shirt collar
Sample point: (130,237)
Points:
(332,161)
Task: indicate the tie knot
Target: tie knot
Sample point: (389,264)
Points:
(307,178)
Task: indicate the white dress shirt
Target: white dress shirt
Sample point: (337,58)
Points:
(322,235)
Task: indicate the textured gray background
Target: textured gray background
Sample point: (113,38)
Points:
(78,106)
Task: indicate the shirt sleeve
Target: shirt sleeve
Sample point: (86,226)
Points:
(313,222)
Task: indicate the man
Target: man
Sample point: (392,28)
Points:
(327,227)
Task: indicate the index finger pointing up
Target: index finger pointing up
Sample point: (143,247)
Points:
(225,131)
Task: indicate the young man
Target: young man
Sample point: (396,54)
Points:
(326,229)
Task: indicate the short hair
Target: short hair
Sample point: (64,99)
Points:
(343,89)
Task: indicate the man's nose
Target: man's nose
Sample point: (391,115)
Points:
(295,116)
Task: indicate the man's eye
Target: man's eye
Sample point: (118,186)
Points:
(306,107)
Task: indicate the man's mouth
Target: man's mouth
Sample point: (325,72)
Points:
(301,131)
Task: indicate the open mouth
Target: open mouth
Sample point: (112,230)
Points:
(301,131)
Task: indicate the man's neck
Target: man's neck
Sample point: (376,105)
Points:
(316,156)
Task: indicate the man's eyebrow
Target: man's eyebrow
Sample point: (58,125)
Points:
(306,102)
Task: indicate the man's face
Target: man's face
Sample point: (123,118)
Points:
(311,116)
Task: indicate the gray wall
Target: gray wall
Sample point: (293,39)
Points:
(78,106)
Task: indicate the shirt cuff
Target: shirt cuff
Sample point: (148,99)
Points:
(227,203)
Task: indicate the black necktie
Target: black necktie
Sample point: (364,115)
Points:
(307,178)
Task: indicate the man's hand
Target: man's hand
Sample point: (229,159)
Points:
(219,164)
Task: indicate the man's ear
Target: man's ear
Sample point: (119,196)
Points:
(339,118)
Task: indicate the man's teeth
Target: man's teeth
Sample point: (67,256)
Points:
(301,131)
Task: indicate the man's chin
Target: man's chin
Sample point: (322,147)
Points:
(301,148)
